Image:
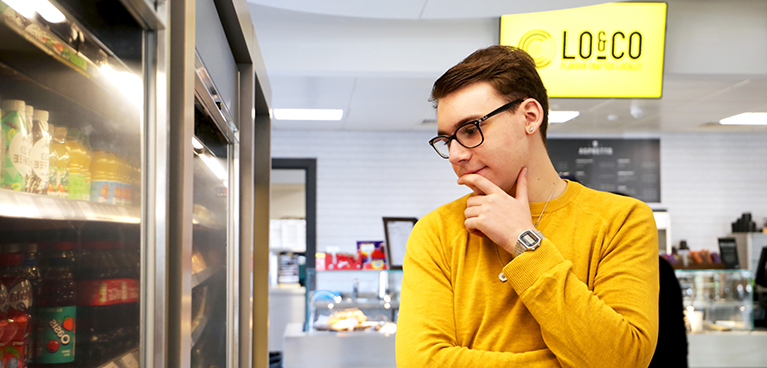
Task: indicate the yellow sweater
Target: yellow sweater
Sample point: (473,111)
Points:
(588,297)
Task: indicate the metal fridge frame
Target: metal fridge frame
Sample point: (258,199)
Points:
(249,266)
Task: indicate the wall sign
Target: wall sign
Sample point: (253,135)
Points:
(610,50)
(628,166)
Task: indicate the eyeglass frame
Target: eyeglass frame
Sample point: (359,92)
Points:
(476,123)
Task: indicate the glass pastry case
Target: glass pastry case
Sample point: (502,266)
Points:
(365,300)
(717,300)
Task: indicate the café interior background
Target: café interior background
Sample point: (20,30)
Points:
(378,62)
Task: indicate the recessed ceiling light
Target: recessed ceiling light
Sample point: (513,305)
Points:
(746,118)
(556,117)
(309,114)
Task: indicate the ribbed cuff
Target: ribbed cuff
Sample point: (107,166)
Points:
(525,269)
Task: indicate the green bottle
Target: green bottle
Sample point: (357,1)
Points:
(16,145)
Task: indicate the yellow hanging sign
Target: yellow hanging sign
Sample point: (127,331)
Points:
(611,50)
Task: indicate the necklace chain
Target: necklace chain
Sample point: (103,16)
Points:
(501,276)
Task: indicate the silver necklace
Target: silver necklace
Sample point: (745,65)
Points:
(501,276)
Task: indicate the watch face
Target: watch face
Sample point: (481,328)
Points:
(528,238)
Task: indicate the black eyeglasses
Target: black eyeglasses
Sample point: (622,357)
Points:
(468,134)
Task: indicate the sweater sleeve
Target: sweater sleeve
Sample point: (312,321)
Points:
(616,323)
(426,328)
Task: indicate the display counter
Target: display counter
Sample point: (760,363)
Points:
(328,349)
(733,349)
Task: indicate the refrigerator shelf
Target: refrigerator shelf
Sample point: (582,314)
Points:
(199,329)
(35,206)
(202,276)
(45,71)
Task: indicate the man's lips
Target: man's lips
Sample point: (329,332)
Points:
(473,171)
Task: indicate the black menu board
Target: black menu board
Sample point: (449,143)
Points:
(627,166)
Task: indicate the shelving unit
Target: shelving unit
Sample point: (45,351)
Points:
(36,206)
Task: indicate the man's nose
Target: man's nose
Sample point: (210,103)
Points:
(458,153)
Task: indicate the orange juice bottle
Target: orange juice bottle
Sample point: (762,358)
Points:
(114,189)
(58,180)
(135,183)
(100,179)
(100,176)
(121,176)
(86,168)
(76,158)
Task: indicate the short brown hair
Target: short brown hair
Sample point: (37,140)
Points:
(510,70)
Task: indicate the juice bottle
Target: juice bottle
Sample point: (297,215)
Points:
(58,182)
(123,180)
(30,114)
(7,332)
(76,158)
(3,315)
(41,141)
(100,178)
(115,189)
(98,296)
(135,183)
(19,301)
(30,271)
(56,315)
(16,145)
(86,167)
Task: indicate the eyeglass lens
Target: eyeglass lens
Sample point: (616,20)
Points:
(469,136)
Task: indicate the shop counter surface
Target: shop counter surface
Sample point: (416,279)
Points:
(732,349)
(324,349)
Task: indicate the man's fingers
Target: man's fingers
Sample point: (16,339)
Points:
(522,186)
(478,182)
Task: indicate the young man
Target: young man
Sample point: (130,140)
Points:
(530,270)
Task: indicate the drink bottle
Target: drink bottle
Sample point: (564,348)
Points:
(41,141)
(56,314)
(16,145)
(58,165)
(31,272)
(19,299)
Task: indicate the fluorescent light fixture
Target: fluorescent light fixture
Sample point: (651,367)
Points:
(746,118)
(23,7)
(197,144)
(556,117)
(309,114)
(48,11)
(215,166)
(128,83)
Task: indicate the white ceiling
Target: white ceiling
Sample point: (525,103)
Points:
(377,61)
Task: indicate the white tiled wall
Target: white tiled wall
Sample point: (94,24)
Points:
(707,181)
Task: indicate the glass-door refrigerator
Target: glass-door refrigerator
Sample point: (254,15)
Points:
(78,222)
(215,219)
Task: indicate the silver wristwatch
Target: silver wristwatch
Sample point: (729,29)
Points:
(529,240)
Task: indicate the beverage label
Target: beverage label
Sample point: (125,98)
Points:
(56,342)
(86,188)
(16,149)
(75,186)
(119,187)
(107,292)
(58,182)
(100,191)
(14,351)
(40,165)
(128,195)
(20,296)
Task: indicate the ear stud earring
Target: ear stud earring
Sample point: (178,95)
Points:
(531,129)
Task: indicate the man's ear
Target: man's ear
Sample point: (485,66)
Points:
(533,112)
